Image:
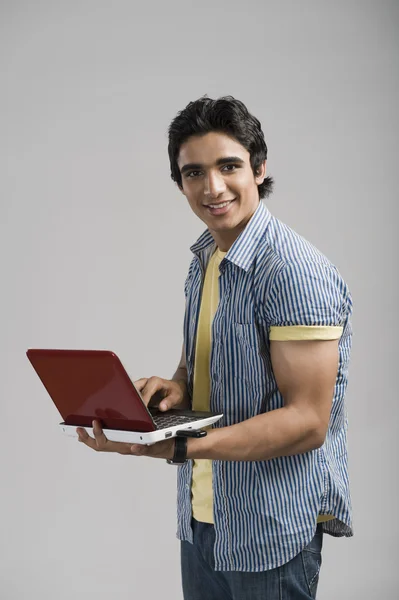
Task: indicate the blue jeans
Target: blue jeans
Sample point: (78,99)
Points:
(296,580)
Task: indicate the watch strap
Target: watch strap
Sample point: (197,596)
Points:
(180,452)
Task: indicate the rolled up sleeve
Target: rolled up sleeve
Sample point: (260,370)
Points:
(308,301)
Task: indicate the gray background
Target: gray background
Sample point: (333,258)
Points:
(94,251)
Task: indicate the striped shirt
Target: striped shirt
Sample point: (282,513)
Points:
(265,512)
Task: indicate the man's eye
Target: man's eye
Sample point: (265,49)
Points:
(230,168)
(193,174)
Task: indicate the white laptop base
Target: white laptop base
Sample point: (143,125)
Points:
(137,437)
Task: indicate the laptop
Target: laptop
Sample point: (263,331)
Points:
(93,384)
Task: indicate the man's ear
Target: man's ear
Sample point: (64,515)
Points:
(260,173)
(181,188)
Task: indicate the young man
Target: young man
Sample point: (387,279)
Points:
(267,338)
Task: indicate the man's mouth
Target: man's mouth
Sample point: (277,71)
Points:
(219,208)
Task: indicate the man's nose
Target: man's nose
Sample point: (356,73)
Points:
(214,185)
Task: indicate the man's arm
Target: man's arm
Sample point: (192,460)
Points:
(305,373)
(180,377)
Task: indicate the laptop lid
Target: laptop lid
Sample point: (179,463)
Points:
(91,384)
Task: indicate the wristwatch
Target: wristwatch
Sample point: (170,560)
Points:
(180,453)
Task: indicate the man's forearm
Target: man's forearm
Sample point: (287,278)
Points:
(181,378)
(281,432)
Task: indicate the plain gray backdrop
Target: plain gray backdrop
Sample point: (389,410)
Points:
(95,247)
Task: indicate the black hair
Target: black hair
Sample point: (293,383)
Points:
(226,115)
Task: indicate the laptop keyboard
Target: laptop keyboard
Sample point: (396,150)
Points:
(169,420)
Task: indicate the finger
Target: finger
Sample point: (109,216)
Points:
(121,447)
(153,385)
(165,404)
(99,435)
(140,383)
(172,396)
(82,434)
(170,401)
(168,390)
(139,449)
(84,437)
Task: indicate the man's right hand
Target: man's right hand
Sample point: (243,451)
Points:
(164,393)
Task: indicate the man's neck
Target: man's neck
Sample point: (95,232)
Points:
(225,239)
(224,242)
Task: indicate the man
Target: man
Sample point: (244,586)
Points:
(267,338)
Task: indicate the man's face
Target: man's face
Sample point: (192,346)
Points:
(219,184)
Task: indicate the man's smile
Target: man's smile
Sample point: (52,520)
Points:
(219,208)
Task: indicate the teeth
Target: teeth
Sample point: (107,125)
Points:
(222,205)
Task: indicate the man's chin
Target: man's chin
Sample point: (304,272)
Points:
(223,222)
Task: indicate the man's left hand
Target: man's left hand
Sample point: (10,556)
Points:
(100,443)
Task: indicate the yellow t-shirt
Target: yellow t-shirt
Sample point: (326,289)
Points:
(201,486)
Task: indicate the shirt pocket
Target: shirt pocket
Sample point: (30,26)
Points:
(249,365)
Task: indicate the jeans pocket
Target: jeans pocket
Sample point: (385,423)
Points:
(311,560)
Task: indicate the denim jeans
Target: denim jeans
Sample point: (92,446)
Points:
(296,580)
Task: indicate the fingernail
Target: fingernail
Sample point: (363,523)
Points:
(164,406)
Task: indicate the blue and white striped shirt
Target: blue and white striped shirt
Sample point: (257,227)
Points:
(265,512)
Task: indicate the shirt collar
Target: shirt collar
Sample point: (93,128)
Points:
(243,251)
